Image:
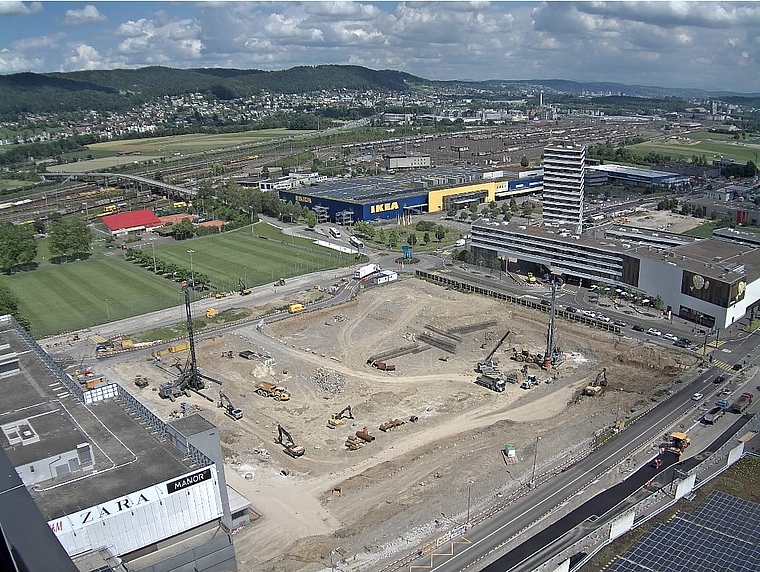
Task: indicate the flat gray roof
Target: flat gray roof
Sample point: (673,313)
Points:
(388,187)
(127,456)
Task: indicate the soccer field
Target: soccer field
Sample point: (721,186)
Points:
(255,258)
(67,297)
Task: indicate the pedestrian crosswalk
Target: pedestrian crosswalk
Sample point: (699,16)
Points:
(714,344)
(722,365)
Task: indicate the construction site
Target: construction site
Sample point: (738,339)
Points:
(354,430)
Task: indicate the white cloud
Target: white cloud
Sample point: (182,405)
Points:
(14,8)
(161,41)
(87,15)
(84,57)
(14,62)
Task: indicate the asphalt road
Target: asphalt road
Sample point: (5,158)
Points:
(482,541)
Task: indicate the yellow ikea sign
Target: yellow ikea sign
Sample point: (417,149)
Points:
(302,199)
(383,207)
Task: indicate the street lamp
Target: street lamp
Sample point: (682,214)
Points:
(153,246)
(108,315)
(535,458)
(192,274)
(469,487)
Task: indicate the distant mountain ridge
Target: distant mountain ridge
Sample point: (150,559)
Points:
(122,89)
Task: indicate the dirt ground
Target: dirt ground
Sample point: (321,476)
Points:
(370,505)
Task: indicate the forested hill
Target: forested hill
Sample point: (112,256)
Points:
(121,89)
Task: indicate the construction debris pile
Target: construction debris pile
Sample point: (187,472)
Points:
(328,380)
(185,409)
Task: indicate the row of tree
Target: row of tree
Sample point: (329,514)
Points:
(168,270)
(18,243)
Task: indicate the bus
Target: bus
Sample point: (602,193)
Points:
(355,242)
(334,232)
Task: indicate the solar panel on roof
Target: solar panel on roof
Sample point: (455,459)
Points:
(720,536)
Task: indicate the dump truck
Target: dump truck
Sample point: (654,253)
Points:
(295,308)
(741,404)
(496,384)
(277,392)
(714,414)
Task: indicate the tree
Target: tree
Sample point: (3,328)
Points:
(311,219)
(69,236)
(380,237)
(426,238)
(18,246)
(512,204)
(184,229)
(411,239)
(658,303)
(440,233)
(9,305)
(524,161)
(393,238)
(495,264)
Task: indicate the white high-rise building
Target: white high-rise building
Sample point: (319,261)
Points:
(564,163)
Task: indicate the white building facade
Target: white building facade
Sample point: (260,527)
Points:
(564,164)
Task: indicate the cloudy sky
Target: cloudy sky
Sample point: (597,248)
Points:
(709,45)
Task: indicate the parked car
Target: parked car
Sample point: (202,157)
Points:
(603,318)
(682,343)
(620,323)
(697,396)
(589,314)
(637,328)
(571,310)
(654,332)
(670,337)
(545,303)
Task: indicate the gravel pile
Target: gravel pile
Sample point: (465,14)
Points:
(328,380)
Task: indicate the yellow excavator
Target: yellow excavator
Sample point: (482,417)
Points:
(337,418)
(288,444)
(599,383)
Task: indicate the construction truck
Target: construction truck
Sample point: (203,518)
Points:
(716,412)
(286,440)
(489,365)
(276,392)
(496,384)
(595,388)
(226,404)
(190,378)
(741,404)
(244,290)
(337,418)
(141,381)
(531,279)
(678,443)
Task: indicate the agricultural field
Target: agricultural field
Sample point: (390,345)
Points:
(193,143)
(711,145)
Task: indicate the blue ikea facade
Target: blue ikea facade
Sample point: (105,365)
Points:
(380,206)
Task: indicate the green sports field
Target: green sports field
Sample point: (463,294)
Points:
(83,293)
(256,258)
(79,294)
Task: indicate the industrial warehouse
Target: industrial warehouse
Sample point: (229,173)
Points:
(393,197)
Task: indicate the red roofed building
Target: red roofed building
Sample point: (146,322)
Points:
(125,223)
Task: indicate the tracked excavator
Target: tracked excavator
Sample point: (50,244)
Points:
(286,440)
(489,365)
(226,404)
(337,418)
(599,383)
(189,378)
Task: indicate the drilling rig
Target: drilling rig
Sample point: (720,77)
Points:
(189,377)
(553,355)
